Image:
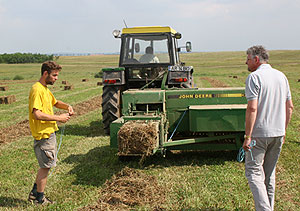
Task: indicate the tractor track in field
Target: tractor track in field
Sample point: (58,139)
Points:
(8,82)
(215,82)
(61,98)
(20,129)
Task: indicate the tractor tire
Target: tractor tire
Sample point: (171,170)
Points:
(110,106)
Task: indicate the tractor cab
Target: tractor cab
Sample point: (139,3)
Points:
(147,52)
(149,46)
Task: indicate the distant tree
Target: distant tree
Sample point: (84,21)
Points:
(24,58)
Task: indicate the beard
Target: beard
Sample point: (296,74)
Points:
(48,81)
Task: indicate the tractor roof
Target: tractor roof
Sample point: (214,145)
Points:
(148,29)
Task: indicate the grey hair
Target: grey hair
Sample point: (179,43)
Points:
(260,51)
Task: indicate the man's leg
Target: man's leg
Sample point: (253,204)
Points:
(255,174)
(41,179)
(45,151)
(271,158)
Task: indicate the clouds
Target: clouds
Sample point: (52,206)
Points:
(203,9)
(85,25)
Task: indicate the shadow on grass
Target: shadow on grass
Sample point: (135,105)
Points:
(95,167)
(196,158)
(100,163)
(95,128)
(295,142)
(10,202)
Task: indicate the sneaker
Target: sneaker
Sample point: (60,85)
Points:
(31,197)
(44,201)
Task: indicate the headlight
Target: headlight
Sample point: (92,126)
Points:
(116,33)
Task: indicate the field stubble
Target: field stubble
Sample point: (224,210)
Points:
(191,180)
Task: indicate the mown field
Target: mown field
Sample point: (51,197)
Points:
(191,180)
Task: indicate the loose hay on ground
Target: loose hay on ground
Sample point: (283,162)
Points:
(138,138)
(128,189)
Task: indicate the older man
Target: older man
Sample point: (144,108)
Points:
(268,113)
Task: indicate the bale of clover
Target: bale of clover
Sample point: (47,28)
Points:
(138,138)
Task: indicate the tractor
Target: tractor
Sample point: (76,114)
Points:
(150,104)
(146,53)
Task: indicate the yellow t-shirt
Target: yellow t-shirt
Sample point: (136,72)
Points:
(41,98)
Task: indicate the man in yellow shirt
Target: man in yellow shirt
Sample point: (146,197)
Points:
(43,125)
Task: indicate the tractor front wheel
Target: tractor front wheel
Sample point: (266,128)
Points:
(110,106)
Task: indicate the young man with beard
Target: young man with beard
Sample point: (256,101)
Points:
(43,126)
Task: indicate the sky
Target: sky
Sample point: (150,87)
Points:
(85,26)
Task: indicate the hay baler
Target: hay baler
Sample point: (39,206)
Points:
(151,106)
(185,119)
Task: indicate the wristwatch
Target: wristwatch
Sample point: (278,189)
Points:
(246,137)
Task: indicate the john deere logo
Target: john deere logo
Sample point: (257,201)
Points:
(195,96)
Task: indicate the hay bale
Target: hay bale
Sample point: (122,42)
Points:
(138,138)
(3,88)
(68,87)
(7,99)
(11,99)
(2,100)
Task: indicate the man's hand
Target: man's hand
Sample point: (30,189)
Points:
(70,110)
(246,144)
(64,117)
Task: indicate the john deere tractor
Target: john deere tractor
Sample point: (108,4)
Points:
(146,53)
(150,104)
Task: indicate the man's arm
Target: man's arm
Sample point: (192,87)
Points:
(39,115)
(250,120)
(61,105)
(289,110)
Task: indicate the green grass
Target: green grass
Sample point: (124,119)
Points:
(194,180)
(74,70)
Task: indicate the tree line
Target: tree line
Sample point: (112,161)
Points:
(17,58)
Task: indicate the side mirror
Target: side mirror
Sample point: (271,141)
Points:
(137,47)
(188,46)
(178,35)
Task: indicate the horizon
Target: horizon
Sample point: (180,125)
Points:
(117,53)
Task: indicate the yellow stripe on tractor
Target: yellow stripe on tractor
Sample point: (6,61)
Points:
(148,29)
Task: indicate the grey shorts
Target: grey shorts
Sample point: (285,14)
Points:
(45,151)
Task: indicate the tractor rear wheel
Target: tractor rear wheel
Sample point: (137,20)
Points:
(110,106)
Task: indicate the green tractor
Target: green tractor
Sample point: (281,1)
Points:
(146,53)
(149,103)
